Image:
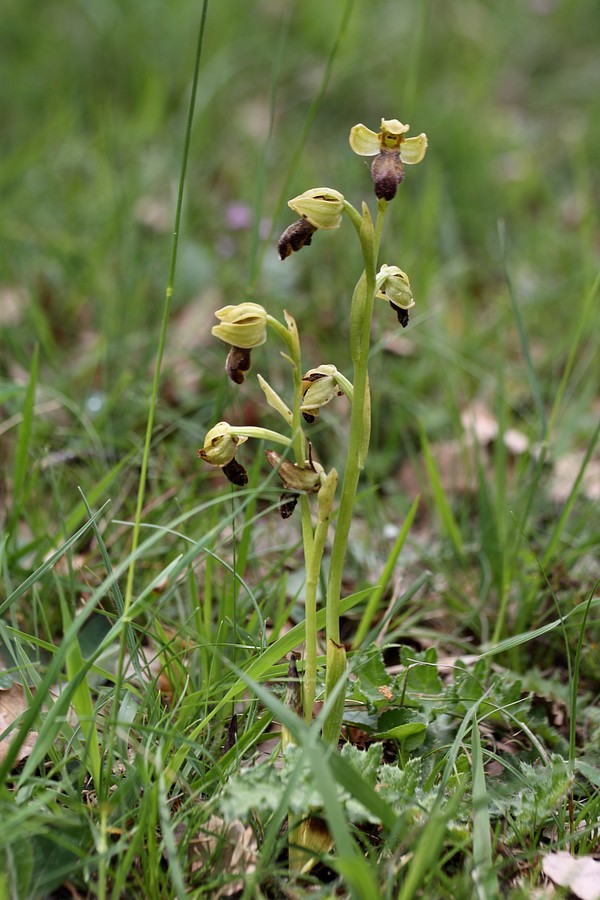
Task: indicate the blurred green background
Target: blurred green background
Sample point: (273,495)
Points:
(93,108)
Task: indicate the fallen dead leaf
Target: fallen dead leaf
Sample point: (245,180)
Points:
(228,848)
(13,702)
(581,874)
(13,301)
(566,470)
(479,422)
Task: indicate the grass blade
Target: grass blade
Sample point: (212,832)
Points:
(484,877)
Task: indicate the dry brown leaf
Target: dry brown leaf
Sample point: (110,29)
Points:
(13,702)
(581,874)
(566,470)
(398,345)
(154,213)
(228,848)
(13,301)
(479,422)
(457,460)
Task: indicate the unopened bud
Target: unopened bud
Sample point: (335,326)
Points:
(321,207)
(243,326)
(319,387)
(393,285)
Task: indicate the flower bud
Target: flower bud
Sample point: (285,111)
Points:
(393,285)
(319,387)
(220,445)
(321,207)
(244,325)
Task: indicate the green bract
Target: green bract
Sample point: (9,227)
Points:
(307,479)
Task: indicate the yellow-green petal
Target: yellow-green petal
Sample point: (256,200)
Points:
(363,141)
(244,325)
(321,207)
(412,150)
(391,134)
(393,126)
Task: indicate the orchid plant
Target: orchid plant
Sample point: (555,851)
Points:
(245,327)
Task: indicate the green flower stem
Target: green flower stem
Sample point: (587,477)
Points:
(346,386)
(381,210)
(313,569)
(282,332)
(312,554)
(264,434)
(361,315)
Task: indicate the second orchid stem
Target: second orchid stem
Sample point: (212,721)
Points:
(360,422)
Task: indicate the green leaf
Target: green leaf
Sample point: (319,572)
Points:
(421,675)
(484,877)
(403,725)
(371,675)
(367,762)
(543,787)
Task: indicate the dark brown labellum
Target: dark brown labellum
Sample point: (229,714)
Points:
(287,504)
(401,313)
(295,237)
(387,172)
(236,473)
(308,417)
(238,362)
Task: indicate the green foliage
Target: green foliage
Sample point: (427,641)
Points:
(540,789)
(262,789)
(485,610)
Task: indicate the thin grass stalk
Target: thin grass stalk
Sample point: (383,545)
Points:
(162,338)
